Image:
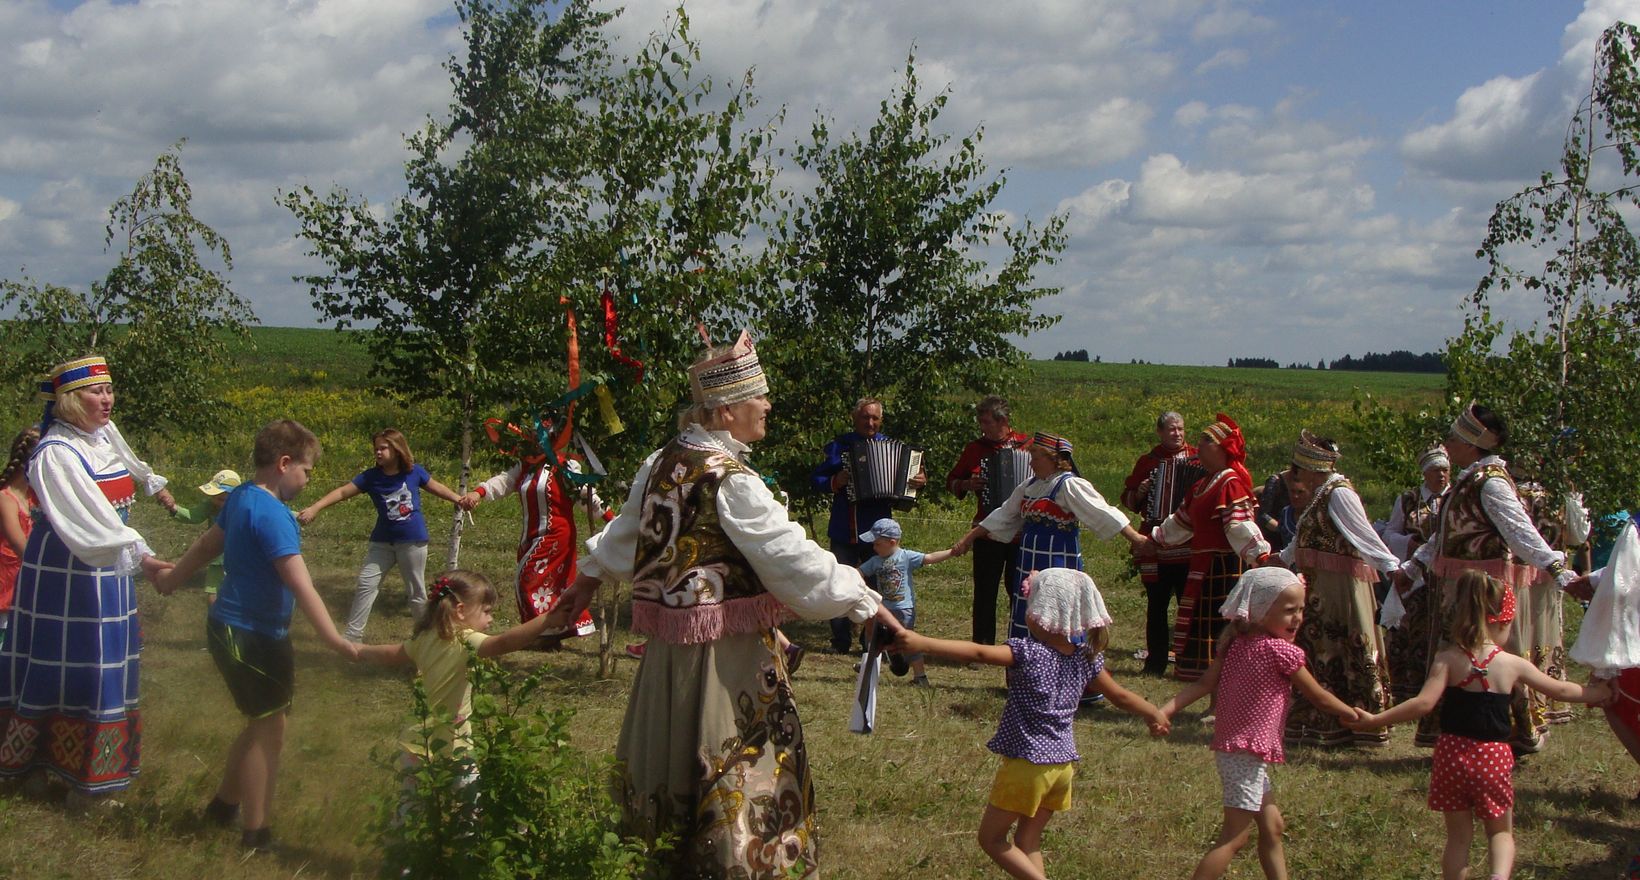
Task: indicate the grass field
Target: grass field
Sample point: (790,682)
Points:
(903,802)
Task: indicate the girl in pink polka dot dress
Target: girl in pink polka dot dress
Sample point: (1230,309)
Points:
(1471,680)
(1255,669)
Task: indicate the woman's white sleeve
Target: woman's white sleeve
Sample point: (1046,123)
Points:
(1344,506)
(804,576)
(503,484)
(1003,523)
(81,515)
(612,553)
(1092,510)
(1503,507)
(1396,536)
(140,470)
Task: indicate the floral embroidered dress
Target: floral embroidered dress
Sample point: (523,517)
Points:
(1340,557)
(1411,524)
(546,545)
(712,749)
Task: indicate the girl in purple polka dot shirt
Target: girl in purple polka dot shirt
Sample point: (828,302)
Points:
(1046,676)
(1256,667)
(1471,680)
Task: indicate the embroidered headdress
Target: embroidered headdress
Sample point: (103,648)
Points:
(1434,457)
(71,376)
(1311,454)
(727,376)
(1468,428)
(1227,434)
(1064,601)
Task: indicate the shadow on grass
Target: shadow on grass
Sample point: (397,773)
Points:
(1600,817)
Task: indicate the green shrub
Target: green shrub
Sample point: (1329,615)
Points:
(539,809)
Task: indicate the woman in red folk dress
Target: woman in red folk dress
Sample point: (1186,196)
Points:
(546,543)
(1216,520)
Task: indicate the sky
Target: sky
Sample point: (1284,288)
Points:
(1293,180)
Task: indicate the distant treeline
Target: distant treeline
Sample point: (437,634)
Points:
(1371,362)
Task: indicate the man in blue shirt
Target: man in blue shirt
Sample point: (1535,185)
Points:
(848,518)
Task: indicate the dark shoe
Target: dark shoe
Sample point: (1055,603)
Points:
(841,649)
(258,840)
(794,657)
(221,813)
(898,664)
(920,681)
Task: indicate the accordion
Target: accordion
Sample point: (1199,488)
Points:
(881,469)
(1169,483)
(1003,471)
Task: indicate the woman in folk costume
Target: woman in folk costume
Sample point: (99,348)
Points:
(68,673)
(546,546)
(1340,556)
(1483,526)
(1411,525)
(1539,633)
(1608,641)
(1047,513)
(711,749)
(1217,521)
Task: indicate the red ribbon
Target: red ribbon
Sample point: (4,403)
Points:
(611,329)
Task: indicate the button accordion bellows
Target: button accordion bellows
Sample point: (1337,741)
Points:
(1170,481)
(1003,471)
(880,469)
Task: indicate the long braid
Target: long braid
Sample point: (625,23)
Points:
(21,448)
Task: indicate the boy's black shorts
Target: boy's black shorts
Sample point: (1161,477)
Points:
(260,670)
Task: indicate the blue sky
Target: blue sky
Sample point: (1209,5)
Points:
(1295,180)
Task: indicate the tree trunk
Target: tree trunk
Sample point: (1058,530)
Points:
(609,597)
(454,554)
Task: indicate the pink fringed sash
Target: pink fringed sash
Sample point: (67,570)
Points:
(1510,573)
(699,624)
(1338,563)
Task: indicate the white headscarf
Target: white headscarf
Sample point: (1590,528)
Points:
(1064,601)
(1256,591)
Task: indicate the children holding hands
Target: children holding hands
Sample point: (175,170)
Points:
(892,567)
(248,627)
(1046,676)
(1256,666)
(1471,681)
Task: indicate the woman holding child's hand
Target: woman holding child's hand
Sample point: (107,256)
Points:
(76,603)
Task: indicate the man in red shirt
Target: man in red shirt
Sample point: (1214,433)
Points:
(992,559)
(1165,571)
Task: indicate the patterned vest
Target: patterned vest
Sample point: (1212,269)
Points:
(1548,517)
(1320,546)
(691,584)
(1468,537)
(1419,515)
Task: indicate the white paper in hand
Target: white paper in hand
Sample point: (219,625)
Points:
(862,716)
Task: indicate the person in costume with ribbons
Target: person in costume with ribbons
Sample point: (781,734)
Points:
(546,545)
(712,749)
(1340,557)
(1411,524)
(1482,526)
(69,670)
(1047,514)
(994,561)
(1163,572)
(1216,521)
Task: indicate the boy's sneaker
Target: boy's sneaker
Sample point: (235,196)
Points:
(221,813)
(898,664)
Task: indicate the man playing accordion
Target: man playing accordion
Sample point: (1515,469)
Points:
(993,560)
(1159,481)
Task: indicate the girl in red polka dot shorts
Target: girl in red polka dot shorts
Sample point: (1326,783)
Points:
(1471,680)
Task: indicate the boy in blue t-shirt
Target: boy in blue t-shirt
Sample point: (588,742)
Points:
(248,628)
(892,566)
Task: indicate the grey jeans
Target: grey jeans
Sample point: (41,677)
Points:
(411,558)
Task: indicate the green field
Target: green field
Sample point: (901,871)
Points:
(903,802)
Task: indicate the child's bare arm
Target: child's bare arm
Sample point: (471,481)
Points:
(1194,691)
(1319,696)
(1130,702)
(515,639)
(386,655)
(938,556)
(205,548)
(11,523)
(294,572)
(908,642)
(340,493)
(1408,710)
(1569,691)
(442,491)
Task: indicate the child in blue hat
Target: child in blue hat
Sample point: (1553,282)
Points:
(892,566)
